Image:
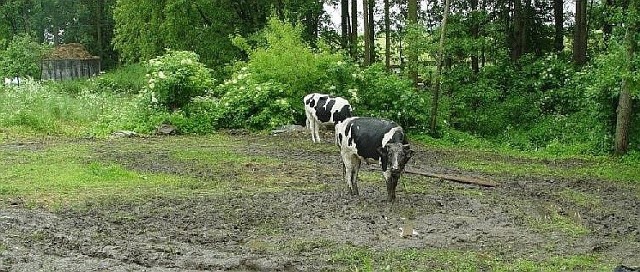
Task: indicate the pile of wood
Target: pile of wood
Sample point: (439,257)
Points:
(70,51)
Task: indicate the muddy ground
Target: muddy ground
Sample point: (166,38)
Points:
(309,223)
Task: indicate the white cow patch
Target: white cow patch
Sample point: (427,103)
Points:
(387,136)
(313,121)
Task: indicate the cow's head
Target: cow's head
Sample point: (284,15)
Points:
(394,157)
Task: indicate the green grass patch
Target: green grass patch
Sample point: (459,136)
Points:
(299,246)
(551,221)
(602,168)
(547,218)
(580,198)
(64,173)
(482,155)
(355,258)
(63,108)
(50,172)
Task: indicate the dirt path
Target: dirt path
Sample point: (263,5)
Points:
(313,224)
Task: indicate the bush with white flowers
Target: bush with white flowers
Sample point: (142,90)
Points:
(174,78)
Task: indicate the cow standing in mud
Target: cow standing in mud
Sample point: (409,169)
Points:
(366,138)
(323,108)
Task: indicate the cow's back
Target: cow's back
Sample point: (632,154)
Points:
(326,108)
(365,135)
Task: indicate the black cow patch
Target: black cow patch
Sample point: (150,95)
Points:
(323,108)
(367,133)
(311,102)
(343,113)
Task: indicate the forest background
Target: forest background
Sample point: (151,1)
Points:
(552,76)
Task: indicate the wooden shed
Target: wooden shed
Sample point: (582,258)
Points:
(69,61)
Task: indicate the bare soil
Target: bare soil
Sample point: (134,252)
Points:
(301,226)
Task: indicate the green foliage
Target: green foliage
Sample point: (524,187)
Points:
(174,78)
(599,86)
(538,103)
(382,94)
(246,103)
(125,79)
(21,58)
(144,28)
(138,36)
(284,58)
(53,109)
(488,103)
(267,90)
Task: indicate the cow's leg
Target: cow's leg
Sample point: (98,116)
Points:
(392,182)
(346,163)
(349,163)
(310,126)
(316,130)
(354,175)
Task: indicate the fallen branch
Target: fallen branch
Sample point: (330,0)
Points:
(461,179)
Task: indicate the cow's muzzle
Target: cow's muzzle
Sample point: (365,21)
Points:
(396,172)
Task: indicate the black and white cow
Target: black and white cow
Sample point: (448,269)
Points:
(367,138)
(323,108)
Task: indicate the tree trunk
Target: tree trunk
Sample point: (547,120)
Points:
(344,23)
(558,15)
(99,9)
(475,33)
(372,33)
(413,56)
(623,119)
(518,28)
(365,24)
(436,82)
(624,101)
(607,27)
(387,36)
(580,34)
(527,21)
(354,29)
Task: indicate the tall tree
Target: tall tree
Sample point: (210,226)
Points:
(412,16)
(580,34)
(387,35)
(354,29)
(367,39)
(475,34)
(344,23)
(519,36)
(558,16)
(624,101)
(439,63)
(98,25)
(371,29)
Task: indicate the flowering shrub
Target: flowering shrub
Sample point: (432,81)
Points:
(243,102)
(174,78)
